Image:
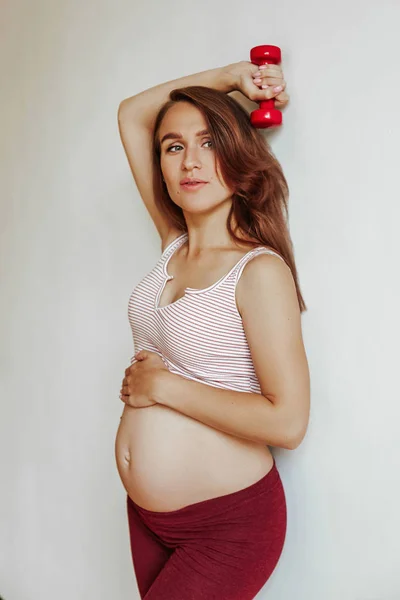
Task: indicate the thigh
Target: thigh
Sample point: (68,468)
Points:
(181,578)
(230,559)
(149,555)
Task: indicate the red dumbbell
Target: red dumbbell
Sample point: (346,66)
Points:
(267,115)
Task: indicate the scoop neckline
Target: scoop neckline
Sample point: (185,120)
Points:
(189,290)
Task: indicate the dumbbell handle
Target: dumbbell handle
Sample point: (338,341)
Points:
(266,115)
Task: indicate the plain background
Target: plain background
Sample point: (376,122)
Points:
(75,239)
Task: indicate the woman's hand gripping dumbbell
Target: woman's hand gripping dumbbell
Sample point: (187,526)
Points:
(263,83)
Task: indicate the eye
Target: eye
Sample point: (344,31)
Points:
(179,146)
(175,146)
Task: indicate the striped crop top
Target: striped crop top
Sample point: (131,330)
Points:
(199,336)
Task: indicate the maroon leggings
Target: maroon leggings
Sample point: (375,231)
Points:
(223,548)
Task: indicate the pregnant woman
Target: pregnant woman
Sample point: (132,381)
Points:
(220,371)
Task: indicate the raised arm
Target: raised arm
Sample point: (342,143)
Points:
(136,117)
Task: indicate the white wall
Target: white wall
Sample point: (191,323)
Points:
(75,239)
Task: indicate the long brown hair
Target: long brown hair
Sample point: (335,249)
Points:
(248,166)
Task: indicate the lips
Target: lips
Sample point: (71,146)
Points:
(193,187)
(190,181)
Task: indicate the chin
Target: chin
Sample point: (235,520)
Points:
(199,207)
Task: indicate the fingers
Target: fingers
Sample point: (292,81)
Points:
(124,387)
(271,84)
(273,70)
(124,393)
(271,76)
(270,93)
(269,80)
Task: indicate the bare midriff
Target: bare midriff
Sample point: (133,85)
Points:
(167,460)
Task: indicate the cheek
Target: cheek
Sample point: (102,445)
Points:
(169,174)
(220,184)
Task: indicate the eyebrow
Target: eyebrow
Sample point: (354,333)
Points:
(177,136)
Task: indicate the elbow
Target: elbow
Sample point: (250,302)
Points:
(292,443)
(120,111)
(124,113)
(294,438)
(291,425)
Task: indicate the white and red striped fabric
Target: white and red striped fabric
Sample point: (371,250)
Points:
(199,336)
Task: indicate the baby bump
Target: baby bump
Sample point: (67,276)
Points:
(167,460)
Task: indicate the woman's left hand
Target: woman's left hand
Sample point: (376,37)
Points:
(258,83)
(270,77)
(141,378)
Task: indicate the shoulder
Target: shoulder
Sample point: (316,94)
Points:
(265,278)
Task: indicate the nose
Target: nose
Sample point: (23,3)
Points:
(191,159)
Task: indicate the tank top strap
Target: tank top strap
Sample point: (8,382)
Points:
(172,246)
(237,271)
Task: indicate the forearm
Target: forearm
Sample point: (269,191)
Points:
(246,415)
(144,106)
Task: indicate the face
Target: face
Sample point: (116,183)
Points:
(188,153)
